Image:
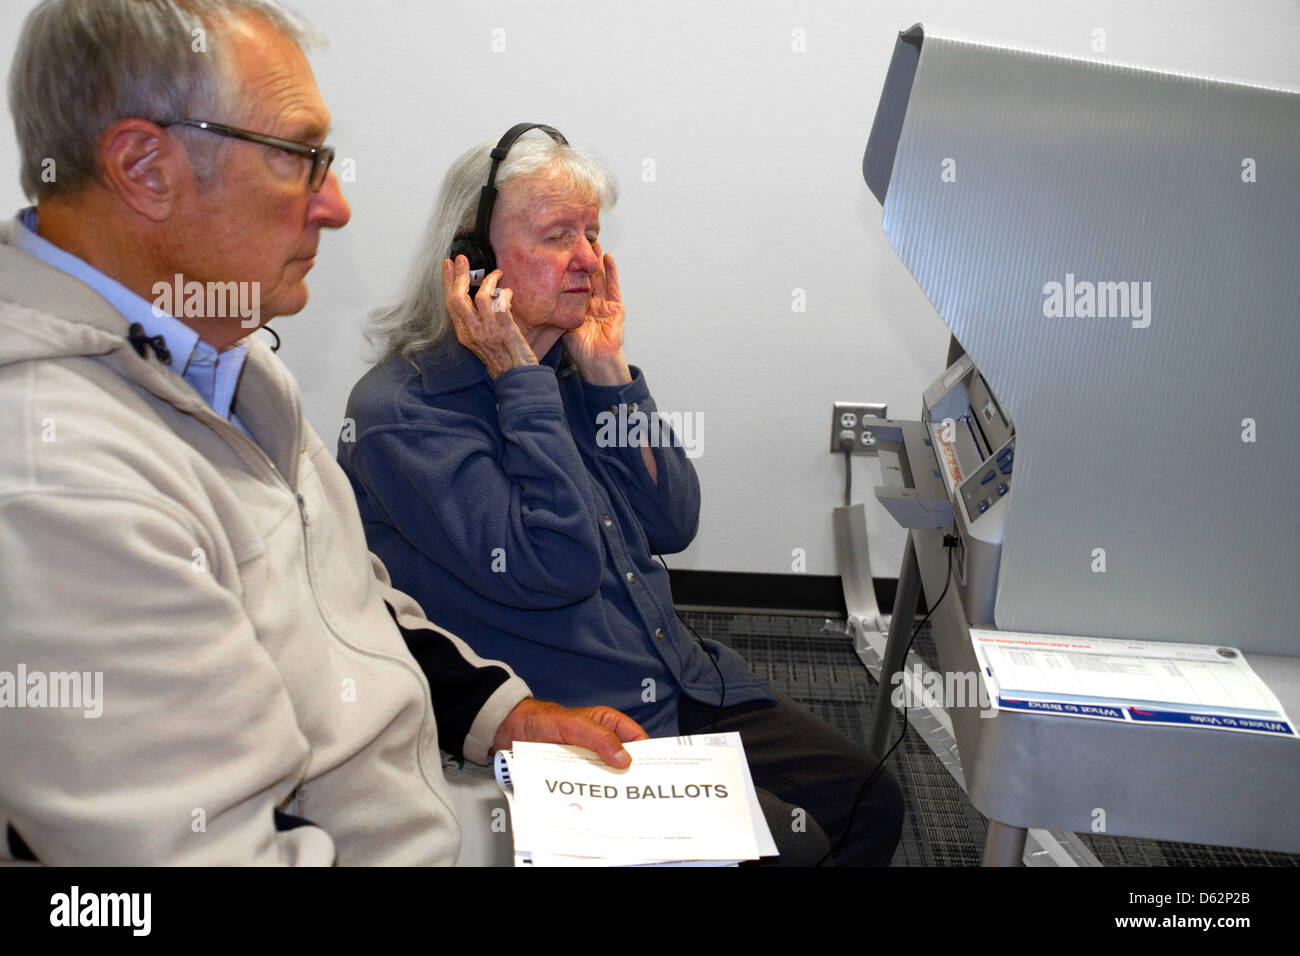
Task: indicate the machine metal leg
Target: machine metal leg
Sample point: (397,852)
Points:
(900,631)
(853,556)
(1004,845)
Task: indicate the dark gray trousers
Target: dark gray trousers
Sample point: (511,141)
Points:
(809,777)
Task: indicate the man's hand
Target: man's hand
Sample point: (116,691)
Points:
(596,347)
(484,324)
(602,729)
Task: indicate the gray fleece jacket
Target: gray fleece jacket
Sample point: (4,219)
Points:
(255,669)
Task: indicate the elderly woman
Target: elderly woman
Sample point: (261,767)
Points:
(493,496)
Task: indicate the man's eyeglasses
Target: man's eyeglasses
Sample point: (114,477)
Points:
(321,156)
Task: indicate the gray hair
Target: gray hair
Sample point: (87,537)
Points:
(82,65)
(420,319)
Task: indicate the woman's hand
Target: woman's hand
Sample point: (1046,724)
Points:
(484,325)
(596,347)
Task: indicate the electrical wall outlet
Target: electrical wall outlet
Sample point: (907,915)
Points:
(858,418)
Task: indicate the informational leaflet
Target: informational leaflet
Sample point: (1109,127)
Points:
(684,801)
(1194,685)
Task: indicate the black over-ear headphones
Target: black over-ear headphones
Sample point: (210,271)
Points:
(475,246)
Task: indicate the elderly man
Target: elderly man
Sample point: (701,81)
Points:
(174,535)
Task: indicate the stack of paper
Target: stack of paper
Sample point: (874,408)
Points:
(684,801)
(1193,685)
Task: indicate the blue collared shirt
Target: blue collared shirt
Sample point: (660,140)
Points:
(214,375)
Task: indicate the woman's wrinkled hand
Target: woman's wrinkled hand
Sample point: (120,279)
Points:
(484,324)
(596,347)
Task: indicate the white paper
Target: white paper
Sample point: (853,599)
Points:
(686,800)
(762,835)
(1195,685)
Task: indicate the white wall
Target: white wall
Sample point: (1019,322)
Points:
(758,191)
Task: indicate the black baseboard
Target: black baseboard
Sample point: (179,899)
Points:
(799,593)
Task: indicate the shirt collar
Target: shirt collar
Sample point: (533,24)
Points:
(214,375)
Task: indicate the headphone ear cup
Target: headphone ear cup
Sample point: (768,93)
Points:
(467,245)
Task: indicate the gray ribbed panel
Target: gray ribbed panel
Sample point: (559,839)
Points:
(1129,438)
